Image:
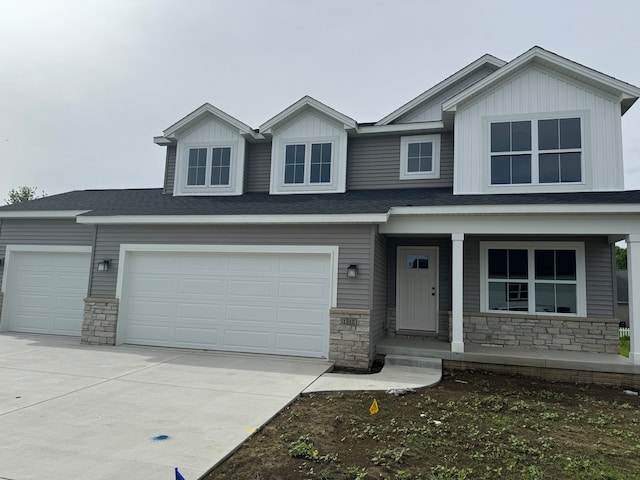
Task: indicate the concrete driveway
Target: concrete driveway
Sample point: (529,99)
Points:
(85,412)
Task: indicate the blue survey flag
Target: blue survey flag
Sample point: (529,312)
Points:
(179,475)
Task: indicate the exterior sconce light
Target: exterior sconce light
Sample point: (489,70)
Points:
(1,261)
(104,265)
(352,271)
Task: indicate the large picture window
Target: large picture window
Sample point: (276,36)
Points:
(542,151)
(539,279)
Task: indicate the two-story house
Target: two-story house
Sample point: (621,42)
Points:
(484,211)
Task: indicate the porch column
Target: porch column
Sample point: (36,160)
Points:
(457,332)
(633,269)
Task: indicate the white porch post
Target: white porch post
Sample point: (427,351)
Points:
(633,269)
(457,332)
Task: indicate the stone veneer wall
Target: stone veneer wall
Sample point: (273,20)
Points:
(99,321)
(443,327)
(349,338)
(542,332)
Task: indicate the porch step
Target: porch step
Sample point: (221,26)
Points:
(411,361)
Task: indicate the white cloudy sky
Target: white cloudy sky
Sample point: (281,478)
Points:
(86,84)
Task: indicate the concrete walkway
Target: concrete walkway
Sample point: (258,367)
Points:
(84,412)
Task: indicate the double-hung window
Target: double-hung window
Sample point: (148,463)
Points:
(209,167)
(308,163)
(534,279)
(419,157)
(540,151)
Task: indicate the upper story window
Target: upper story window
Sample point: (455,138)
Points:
(209,166)
(308,163)
(541,151)
(419,157)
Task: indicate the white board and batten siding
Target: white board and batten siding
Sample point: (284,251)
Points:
(208,133)
(539,91)
(310,126)
(260,299)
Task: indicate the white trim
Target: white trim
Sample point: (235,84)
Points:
(580,282)
(126,248)
(42,214)
(307,185)
(197,115)
(235,169)
(536,53)
(530,208)
(404,157)
(10,249)
(416,127)
(542,224)
(424,97)
(457,292)
(234,219)
(305,102)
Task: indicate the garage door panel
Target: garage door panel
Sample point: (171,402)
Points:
(64,325)
(194,286)
(299,344)
(250,288)
(196,337)
(246,341)
(229,301)
(206,312)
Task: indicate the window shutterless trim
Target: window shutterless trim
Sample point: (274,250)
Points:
(405,141)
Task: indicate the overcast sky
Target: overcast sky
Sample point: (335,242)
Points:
(85,85)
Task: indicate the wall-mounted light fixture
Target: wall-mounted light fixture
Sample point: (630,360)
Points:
(1,262)
(104,265)
(352,271)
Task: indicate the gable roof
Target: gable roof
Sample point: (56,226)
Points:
(628,93)
(199,114)
(483,62)
(305,103)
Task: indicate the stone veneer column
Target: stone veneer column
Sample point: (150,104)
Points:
(349,338)
(99,321)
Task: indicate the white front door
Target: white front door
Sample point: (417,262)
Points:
(417,289)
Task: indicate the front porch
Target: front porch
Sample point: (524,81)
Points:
(553,365)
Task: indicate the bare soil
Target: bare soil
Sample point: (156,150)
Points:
(471,426)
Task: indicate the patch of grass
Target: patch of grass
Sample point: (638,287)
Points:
(625,346)
(490,427)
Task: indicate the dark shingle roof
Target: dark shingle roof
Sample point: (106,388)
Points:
(154,202)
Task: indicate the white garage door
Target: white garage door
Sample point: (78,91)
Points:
(247,302)
(44,292)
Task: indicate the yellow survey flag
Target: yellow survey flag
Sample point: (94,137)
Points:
(373,409)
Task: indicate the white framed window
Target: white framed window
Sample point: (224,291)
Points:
(541,278)
(308,163)
(419,157)
(209,166)
(545,150)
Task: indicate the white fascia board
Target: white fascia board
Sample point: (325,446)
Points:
(446,83)
(533,209)
(43,214)
(368,218)
(306,102)
(399,128)
(537,53)
(205,109)
(543,224)
(164,141)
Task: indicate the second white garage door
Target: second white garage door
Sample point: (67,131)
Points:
(246,302)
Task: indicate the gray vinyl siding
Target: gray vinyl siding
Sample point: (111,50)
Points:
(170,169)
(598,270)
(258,167)
(354,242)
(444,267)
(374,163)
(379,289)
(44,232)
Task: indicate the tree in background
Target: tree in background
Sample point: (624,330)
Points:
(621,258)
(23,194)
